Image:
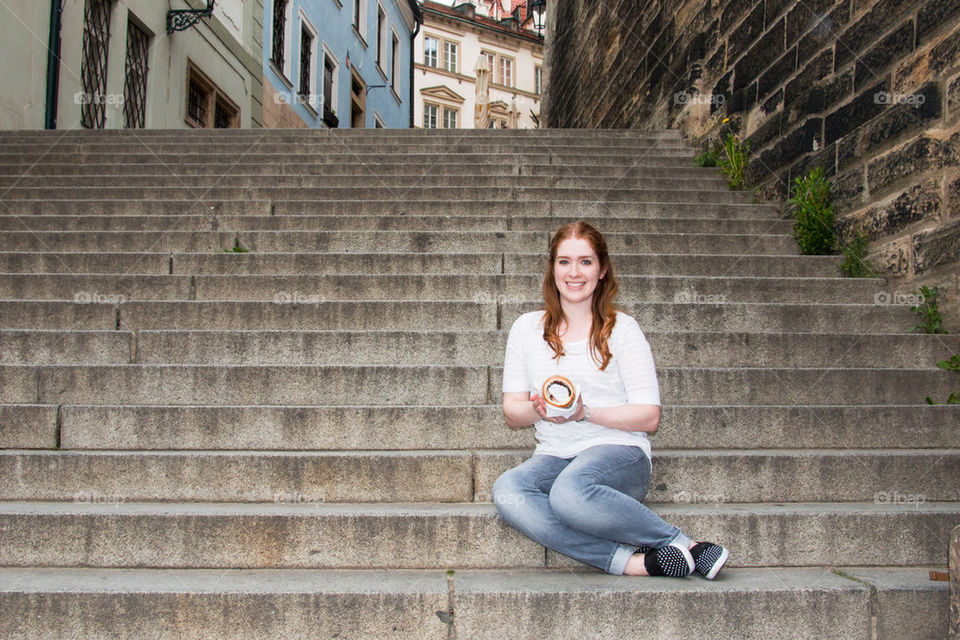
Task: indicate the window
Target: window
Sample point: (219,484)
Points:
(360,18)
(135,81)
(381,38)
(93,65)
(449,118)
(395,71)
(329,80)
(429,116)
(279,32)
(450,50)
(430,50)
(207,106)
(538,78)
(491,62)
(506,72)
(306,65)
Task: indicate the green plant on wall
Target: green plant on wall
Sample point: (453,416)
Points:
(734,161)
(855,263)
(953,364)
(710,156)
(931,320)
(813,213)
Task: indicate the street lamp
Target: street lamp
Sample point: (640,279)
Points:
(538,10)
(183,19)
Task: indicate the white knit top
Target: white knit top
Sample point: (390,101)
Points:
(630,378)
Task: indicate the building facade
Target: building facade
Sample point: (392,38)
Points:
(460,45)
(339,63)
(119,66)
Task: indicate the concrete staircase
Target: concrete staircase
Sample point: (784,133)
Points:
(300,441)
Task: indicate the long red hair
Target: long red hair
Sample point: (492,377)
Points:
(604,313)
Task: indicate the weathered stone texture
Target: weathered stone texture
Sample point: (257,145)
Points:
(869,90)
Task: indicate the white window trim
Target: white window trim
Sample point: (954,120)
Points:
(362,30)
(456,118)
(288,41)
(395,60)
(312,100)
(435,106)
(443,56)
(383,33)
(377,120)
(334,91)
(439,54)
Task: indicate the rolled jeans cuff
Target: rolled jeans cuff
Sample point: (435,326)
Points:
(620,557)
(681,540)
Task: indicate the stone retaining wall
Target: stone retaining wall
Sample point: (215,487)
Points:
(867,89)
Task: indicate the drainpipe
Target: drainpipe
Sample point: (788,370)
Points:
(413,49)
(53,64)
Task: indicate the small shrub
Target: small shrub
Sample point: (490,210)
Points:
(855,263)
(929,311)
(710,156)
(734,161)
(953,364)
(813,211)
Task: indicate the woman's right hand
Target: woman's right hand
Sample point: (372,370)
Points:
(540,406)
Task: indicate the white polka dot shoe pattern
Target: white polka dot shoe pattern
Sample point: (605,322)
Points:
(673,561)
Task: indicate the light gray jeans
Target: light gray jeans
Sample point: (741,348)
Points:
(587,507)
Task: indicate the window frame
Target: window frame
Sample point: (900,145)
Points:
(309,98)
(436,114)
(334,84)
(446,56)
(436,52)
(456,117)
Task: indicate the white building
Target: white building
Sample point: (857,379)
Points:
(456,44)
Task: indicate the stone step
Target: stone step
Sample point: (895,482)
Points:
(569,209)
(220,263)
(905,477)
(225,161)
(695,349)
(402,385)
(422,535)
(139,427)
(502,166)
(195,604)
(409,194)
(203,183)
(312,289)
(384,223)
(393,241)
(439,315)
(398,149)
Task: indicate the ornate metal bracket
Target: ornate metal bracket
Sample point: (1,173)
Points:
(183,19)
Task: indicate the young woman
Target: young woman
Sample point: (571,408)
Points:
(580,494)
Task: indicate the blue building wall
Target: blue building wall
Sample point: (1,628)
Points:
(333,22)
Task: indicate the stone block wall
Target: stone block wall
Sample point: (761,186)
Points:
(867,89)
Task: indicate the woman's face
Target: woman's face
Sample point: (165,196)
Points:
(576,270)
